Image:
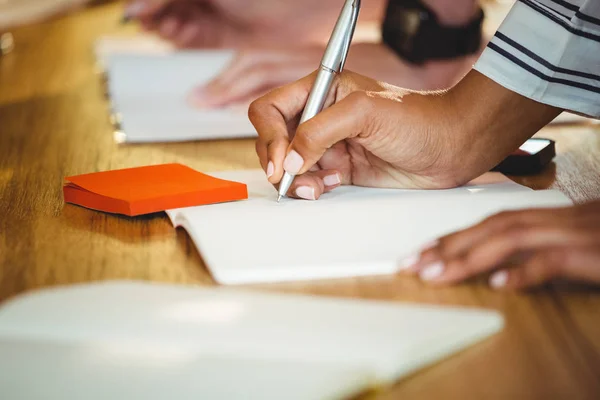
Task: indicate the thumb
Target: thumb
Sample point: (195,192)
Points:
(346,119)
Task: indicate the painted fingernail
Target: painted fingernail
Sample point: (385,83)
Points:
(134,9)
(270,169)
(408,262)
(499,279)
(306,192)
(332,180)
(293,162)
(432,271)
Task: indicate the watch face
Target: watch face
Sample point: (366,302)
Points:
(405,24)
(408,20)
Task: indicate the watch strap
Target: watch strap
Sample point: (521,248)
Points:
(414,32)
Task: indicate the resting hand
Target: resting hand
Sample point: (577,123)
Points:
(256,71)
(234,23)
(521,248)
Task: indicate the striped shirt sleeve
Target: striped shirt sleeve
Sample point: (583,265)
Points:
(549,51)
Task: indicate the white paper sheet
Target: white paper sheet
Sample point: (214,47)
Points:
(108,46)
(149,96)
(147,341)
(351,231)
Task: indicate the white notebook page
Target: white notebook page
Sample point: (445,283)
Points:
(153,341)
(149,97)
(351,231)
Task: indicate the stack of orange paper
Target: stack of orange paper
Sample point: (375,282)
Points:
(145,190)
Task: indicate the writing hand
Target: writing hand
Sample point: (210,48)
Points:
(369,134)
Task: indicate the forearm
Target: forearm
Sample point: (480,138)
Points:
(488,123)
(536,65)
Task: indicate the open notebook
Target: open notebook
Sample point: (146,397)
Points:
(139,341)
(351,231)
(149,96)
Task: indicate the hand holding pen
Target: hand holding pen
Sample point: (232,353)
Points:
(332,63)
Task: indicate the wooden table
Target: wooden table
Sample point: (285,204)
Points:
(53,123)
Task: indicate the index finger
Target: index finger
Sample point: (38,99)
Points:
(275,117)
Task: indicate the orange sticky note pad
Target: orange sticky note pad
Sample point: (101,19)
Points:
(145,190)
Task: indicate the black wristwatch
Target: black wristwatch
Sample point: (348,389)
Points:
(413,31)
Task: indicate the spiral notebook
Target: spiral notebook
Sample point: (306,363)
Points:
(352,231)
(149,98)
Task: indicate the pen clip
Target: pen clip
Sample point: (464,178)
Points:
(350,34)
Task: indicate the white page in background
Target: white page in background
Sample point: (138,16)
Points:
(351,231)
(149,93)
(153,341)
(108,46)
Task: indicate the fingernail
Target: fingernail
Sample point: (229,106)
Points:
(293,162)
(306,192)
(408,262)
(270,169)
(332,180)
(499,279)
(134,9)
(432,271)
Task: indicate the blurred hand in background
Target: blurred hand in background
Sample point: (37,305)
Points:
(236,23)
(256,71)
(281,41)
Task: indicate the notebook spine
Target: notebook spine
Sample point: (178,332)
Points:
(114,116)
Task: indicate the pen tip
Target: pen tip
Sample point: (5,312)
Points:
(278,198)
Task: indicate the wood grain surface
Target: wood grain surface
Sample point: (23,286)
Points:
(54,123)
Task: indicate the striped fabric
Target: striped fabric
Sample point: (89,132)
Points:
(549,51)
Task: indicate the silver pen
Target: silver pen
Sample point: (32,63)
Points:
(332,63)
